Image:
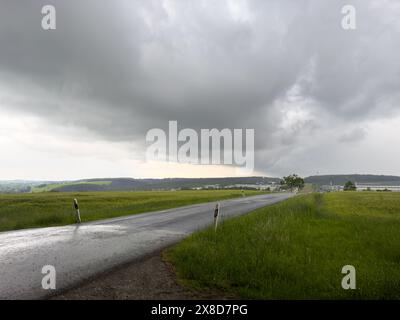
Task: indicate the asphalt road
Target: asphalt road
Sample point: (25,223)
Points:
(79,252)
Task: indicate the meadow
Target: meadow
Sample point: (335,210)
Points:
(55,186)
(20,211)
(296,249)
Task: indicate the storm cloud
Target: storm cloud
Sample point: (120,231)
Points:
(288,69)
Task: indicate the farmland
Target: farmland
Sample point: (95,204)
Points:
(55,186)
(20,211)
(296,249)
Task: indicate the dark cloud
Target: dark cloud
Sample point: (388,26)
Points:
(285,68)
(353,135)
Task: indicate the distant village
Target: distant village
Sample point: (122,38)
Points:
(273,186)
(361,187)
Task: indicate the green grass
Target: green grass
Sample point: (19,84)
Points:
(296,249)
(308,188)
(55,186)
(21,211)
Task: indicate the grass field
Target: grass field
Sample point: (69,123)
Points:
(296,249)
(21,211)
(55,186)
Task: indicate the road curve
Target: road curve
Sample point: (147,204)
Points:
(79,252)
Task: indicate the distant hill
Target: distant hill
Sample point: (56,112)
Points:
(341,179)
(130,184)
(19,186)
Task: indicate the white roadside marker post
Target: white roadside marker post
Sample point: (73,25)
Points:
(78,214)
(216,214)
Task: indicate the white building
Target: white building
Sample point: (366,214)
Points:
(375,187)
(261,187)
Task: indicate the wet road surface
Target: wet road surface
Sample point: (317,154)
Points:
(79,252)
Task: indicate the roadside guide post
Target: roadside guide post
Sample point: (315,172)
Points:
(78,214)
(216,214)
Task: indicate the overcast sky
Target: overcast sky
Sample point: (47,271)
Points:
(76,102)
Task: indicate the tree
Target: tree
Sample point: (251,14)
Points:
(293,181)
(349,186)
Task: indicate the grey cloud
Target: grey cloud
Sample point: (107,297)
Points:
(123,67)
(353,135)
